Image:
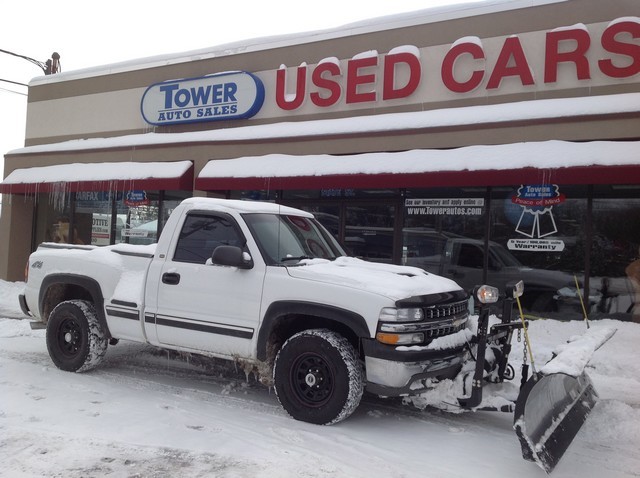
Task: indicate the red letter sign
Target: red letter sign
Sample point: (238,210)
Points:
(449,61)
(389,91)
(612,45)
(577,56)
(511,49)
(281,88)
(354,80)
(326,83)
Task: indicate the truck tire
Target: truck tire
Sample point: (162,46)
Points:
(75,339)
(318,377)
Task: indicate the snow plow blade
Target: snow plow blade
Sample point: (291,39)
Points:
(549,412)
(555,402)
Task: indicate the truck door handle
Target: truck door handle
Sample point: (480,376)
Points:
(171,278)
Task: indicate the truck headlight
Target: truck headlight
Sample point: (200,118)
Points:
(487,294)
(400,339)
(391,314)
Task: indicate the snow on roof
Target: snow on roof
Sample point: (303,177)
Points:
(468,8)
(97,172)
(448,117)
(541,155)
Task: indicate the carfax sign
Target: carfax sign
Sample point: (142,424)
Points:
(223,96)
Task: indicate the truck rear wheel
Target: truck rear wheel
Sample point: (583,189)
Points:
(318,377)
(75,339)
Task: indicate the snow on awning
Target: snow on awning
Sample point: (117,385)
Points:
(596,162)
(120,176)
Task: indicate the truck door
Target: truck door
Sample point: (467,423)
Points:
(207,307)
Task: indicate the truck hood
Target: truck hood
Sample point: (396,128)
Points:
(395,282)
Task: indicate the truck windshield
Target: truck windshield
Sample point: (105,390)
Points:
(290,239)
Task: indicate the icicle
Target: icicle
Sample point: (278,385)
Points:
(58,195)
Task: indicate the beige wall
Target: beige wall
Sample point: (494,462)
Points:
(15,236)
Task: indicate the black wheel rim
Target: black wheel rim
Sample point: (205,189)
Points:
(69,337)
(312,380)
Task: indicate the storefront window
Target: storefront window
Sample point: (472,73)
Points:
(171,200)
(92,218)
(52,219)
(337,193)
(543,228)
(137,217)
(101,218)
(443,232)
(369,231)
(327,215)
(615,256)
(254,195)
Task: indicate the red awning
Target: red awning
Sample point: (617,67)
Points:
(121,176)
(549,162)
(578,175)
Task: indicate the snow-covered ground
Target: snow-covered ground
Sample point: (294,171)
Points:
(145,412)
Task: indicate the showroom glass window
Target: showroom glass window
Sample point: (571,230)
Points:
(539,234)
(102,218)
(444,232)
(53,219)
(614,263)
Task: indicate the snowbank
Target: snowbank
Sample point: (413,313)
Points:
(146,412)
(9,305)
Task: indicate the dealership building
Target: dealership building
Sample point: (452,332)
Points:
(484,142)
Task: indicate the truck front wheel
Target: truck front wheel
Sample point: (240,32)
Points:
(75,339)
(318,377)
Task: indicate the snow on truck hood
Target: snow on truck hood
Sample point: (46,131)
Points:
(395,282)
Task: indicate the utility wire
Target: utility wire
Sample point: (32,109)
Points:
(14,82)
(12,91)
(40,64)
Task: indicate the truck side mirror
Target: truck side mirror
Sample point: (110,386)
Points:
(232,256)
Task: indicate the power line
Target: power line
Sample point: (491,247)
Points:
(49,67)
(12,91)
(28,58)
(14,82)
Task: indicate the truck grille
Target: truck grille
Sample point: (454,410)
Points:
(443,330)
(444,311)
(446,319)
(439,321)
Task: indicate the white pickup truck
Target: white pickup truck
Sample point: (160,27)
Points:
(262,284)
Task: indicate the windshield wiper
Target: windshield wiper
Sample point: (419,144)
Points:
(294,258)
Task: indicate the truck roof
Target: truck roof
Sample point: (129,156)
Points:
(244,206)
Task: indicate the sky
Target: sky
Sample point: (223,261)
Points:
(88,34)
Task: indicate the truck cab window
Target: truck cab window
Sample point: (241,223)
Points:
(201,234)
(471,256)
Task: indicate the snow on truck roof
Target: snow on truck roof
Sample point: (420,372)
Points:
(244,206)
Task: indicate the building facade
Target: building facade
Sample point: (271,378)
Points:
(483,143)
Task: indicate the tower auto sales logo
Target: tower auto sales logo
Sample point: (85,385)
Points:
(536,220)
(223,96)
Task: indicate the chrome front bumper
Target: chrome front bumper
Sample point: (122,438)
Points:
(393,373)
